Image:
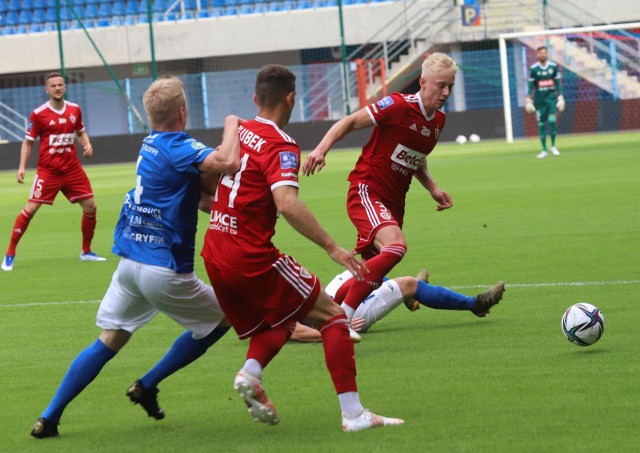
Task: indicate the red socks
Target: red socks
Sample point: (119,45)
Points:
(19,227)
(378,266)
(265,346)
(339,354)
(88,227)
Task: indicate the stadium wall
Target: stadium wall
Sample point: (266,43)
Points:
(487,123)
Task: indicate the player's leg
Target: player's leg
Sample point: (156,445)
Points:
(122,311)
(541,118)
(553,126)
(83,370)
(339,353)
(191,303)
(78,189)
(241,299)
(19,228)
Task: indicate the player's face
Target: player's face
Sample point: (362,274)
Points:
(542,55)
(56,88)
(435,87)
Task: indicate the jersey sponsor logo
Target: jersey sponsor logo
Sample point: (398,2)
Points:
(60,139)
(407,158)
(251,139)
(223,222)
(546,83)
(149,149)
(141,237)
(62,120)
(385,102)
(289,174)
(288,159)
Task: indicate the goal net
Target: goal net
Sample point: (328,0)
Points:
(600,70)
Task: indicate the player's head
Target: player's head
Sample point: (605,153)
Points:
(437,79)
(165,104)
(275,88)
(542,54)
(55,86)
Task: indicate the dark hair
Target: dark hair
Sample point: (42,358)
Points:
(51,75)
(541,48)
(273,83)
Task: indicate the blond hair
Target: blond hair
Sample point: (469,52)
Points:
(163,99)
(437,61)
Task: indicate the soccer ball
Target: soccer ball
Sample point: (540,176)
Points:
(474,138)
(461,139)
(583,324)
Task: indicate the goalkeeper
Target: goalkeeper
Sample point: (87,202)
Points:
(544,97)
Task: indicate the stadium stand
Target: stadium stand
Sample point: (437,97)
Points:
(36,16)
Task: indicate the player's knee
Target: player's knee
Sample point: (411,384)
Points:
(552,119)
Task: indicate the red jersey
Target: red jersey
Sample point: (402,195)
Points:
(244,214)
(402,138)
(56,129)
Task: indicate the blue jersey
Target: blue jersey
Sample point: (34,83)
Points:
(159,217)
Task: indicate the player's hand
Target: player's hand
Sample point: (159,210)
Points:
(443,198)
(357,324)
(88,151)
(349,261)
(314,161)
(528,106)
(560,103)
(20,175)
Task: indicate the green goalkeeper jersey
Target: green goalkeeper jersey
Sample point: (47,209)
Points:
(545,80)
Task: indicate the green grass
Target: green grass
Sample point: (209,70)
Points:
(558,231)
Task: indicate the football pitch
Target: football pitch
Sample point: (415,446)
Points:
(558,231)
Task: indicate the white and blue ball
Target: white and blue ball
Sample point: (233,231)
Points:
(583,324)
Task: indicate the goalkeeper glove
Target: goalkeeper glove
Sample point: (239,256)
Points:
(528,106)
(560,103)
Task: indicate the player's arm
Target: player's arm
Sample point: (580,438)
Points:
(83,140)
(316,159)
(226,159)
(560,98)
(304,222)
(440,196)
(208,183)
(25,154)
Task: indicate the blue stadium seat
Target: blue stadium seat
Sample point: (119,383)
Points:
(37,28)
(260,8)
(91,11)
(275,6)
(218,3)
(4,6)
(11,18)
(130,19)
(14,5)
(39,15)
(40,4)
(28,4)
(25,17)
(8,30)
(230,10)
(160,6)
(104,21)
(246,9)
(104,12)
(65,13)
(304,4)
(51,3)
(132,7)
(22,29)
(118,8)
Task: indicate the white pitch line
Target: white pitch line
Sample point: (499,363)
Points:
(550,285)
(507,285)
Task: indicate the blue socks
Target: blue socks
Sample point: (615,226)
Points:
(184,351)
(442,298)
(82,372)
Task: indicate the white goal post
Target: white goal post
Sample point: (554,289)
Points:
(602,64)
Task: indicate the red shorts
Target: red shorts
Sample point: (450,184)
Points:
(284,292)
(369,212)
(74,184)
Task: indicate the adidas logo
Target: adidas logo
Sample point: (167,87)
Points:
(51,123)
(18,230)
(413,127)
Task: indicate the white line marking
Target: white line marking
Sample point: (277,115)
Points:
(550,285)
(507,285)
